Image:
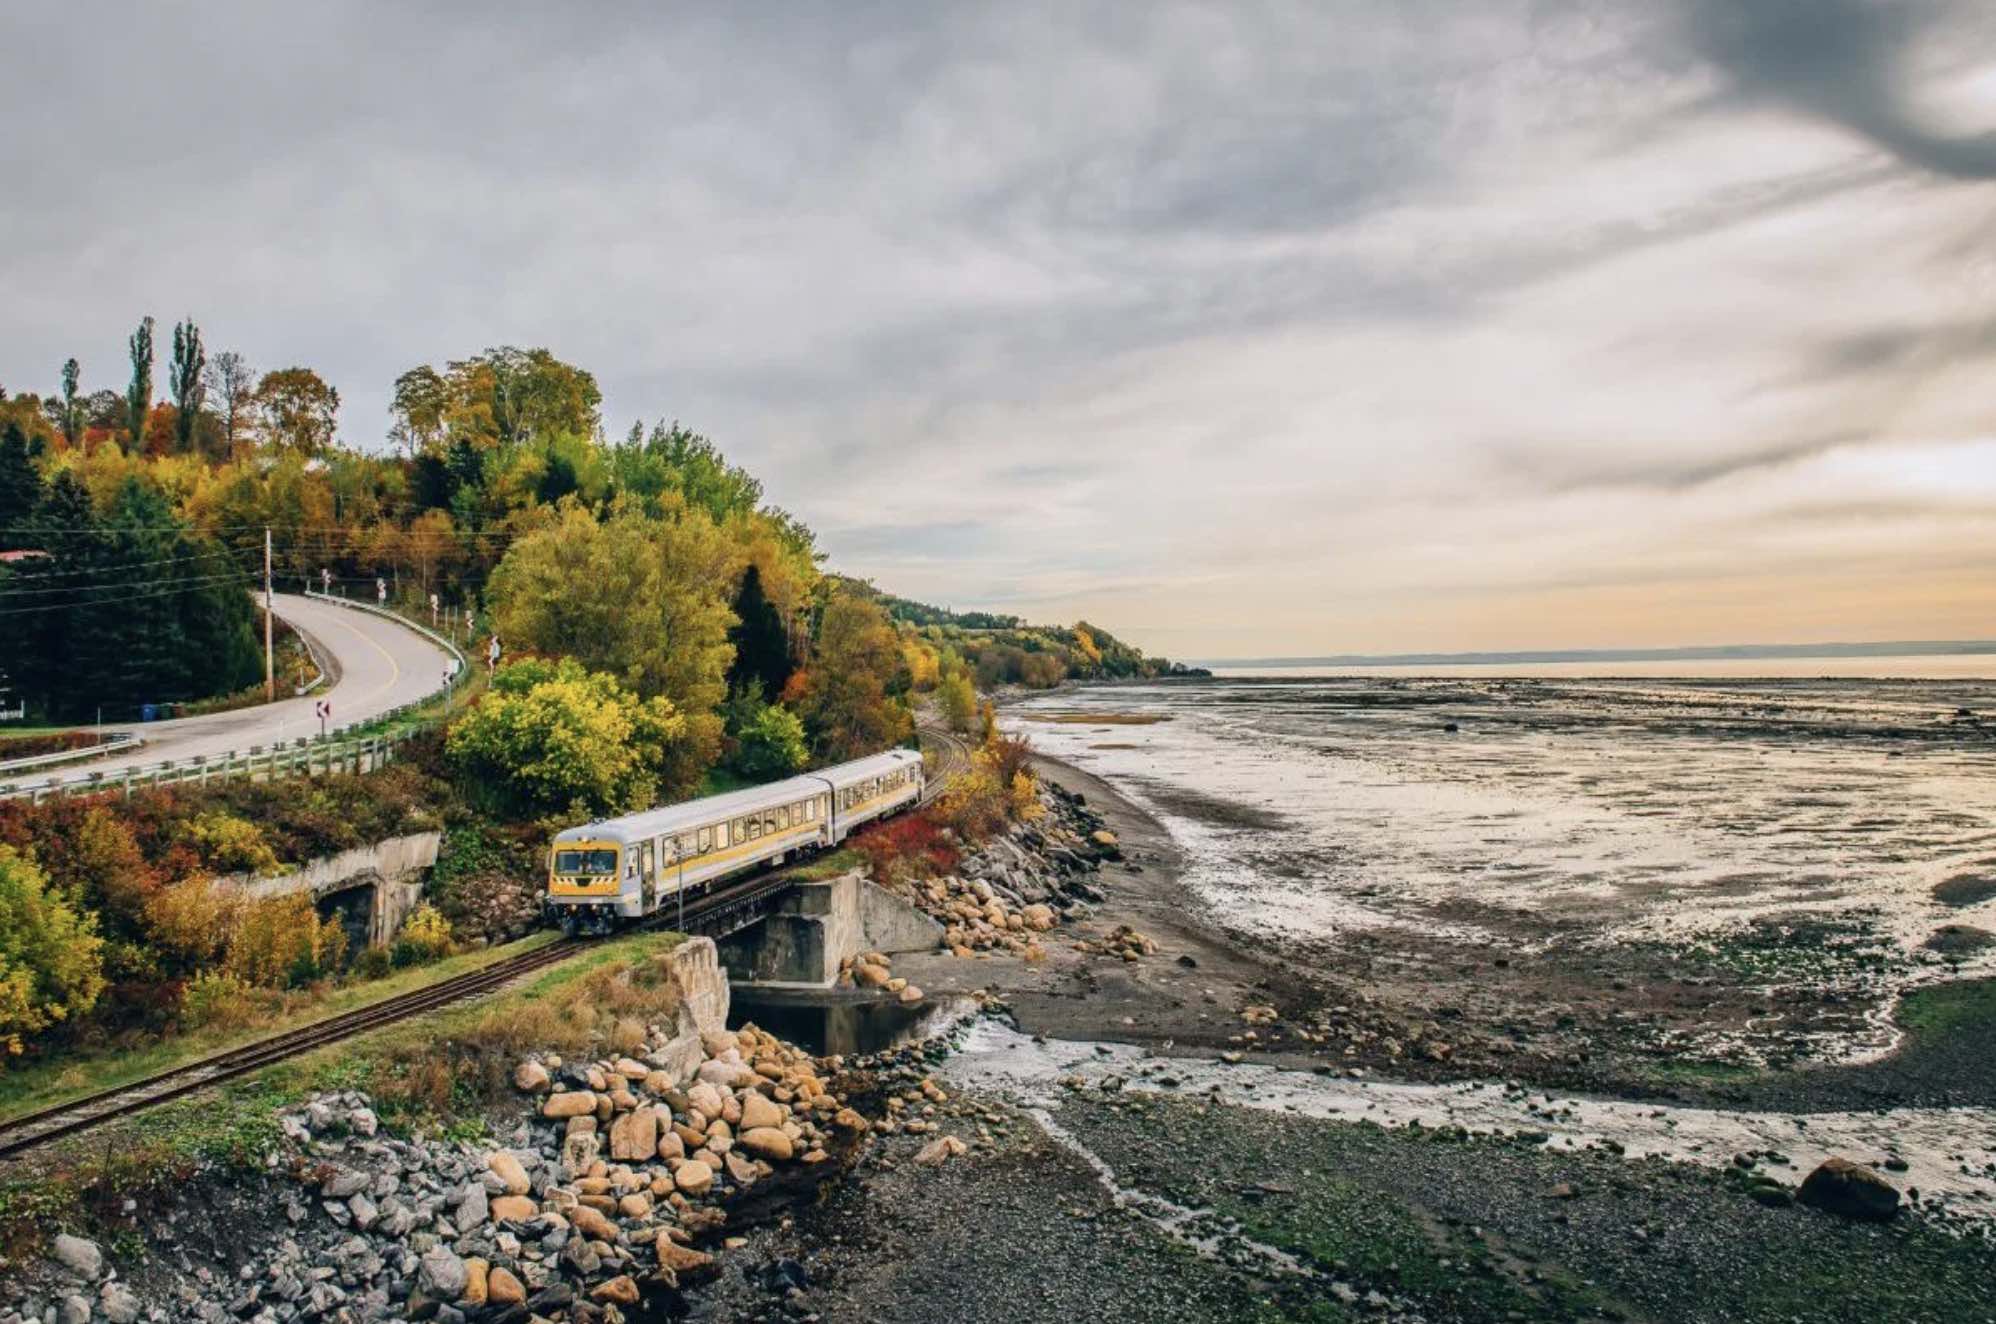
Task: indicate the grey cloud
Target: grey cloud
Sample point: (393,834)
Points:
(1612,467)
(1844,61)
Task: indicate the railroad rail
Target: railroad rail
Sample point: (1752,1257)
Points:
(714,914)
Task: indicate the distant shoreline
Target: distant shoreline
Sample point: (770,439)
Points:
(1694,653)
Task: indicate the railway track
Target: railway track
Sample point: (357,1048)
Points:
(38,1128)
(715,910)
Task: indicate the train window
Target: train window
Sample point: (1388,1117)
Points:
(783,816)
(602,862)
(706,840)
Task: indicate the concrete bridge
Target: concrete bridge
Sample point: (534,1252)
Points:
(800,938)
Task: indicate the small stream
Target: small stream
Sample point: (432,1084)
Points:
(1949,1153)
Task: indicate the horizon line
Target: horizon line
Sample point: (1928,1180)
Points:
(1684,653)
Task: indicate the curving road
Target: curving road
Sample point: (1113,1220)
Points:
(382,665)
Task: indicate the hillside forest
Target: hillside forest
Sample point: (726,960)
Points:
(667,631)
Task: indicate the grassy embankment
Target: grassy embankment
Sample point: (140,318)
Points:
(30,1088)
(440,1071)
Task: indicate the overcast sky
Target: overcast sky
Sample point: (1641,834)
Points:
(1239,329)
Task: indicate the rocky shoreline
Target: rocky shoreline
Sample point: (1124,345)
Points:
(726,1175)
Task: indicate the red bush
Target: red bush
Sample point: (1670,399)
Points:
(912,843)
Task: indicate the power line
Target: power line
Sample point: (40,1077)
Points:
(140,594)
(37,576)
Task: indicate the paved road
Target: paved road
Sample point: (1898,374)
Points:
(382,665)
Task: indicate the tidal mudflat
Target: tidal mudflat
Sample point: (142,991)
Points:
(1682,877)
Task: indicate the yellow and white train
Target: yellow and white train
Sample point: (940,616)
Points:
(616,870)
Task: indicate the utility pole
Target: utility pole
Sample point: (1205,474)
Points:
(269,605)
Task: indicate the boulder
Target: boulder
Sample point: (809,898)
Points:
(573,1103)
(940,1150)
(707,1098)
(80,1257)
(578,1153)
(694,1177)
(477,1281)
(911,994)
(503,1289)
(530,1077)
(513,1209)
(121,1304)
(721,1071)
(676,1259)
(767,1142)
(473,1209)
(759,1110)
(511,1173)
(621,1291)
(592,1223)
(870,976)
(1839,1186)
(441,1275)
(634,1136)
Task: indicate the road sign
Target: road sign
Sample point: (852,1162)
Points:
(381,591)
(492,654)
(325,581)
(434,604)
(324,709)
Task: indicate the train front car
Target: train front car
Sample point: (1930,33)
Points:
(591,881)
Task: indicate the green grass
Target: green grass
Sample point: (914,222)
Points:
(1946,1008)
(829,865)
(46,1084)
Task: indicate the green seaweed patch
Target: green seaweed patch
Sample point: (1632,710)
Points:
(1948,1008)
(1797,949)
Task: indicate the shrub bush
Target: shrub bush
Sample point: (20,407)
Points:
(425,936)
(51,959)
(228,844)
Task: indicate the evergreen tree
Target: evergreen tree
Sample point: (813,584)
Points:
(185,378)
(762,645)
(138,396)
(20,488)
(72,405)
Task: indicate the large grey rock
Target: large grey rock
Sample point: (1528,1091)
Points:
(80,1257)
(442,1274)
(343,1183)
(121,1304)
(473,1208)
(75,1309)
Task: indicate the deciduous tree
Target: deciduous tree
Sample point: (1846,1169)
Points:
(558,738)
(297,410)
(636,596)
(850,698)
(232,382)
(51,958)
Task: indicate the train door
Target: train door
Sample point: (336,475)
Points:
(648,870)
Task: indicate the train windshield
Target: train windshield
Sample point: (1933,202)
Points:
(585,861)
